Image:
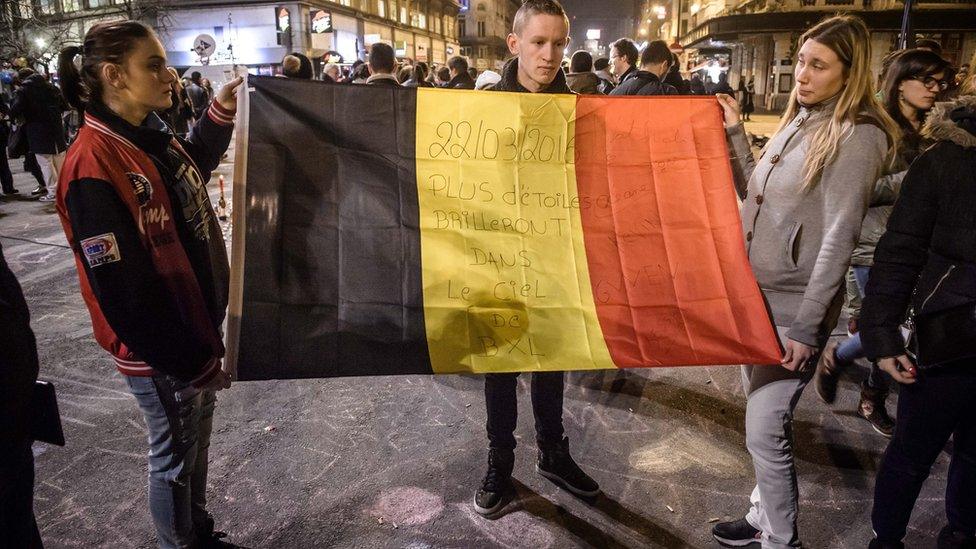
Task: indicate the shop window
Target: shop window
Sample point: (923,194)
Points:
(785,83)
(46,7)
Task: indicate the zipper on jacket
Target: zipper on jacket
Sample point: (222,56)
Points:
(937,286)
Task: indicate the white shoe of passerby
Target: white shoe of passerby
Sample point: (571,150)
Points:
(47,198)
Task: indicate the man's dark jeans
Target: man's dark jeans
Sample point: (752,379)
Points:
(502,407)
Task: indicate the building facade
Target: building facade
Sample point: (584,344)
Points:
(258,33)
(758,39)
(483,26)
(594,26)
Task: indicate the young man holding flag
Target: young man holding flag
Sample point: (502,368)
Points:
(540,34)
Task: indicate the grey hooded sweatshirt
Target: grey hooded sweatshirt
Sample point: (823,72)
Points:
(799,241)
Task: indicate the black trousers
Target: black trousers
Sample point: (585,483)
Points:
(18,371)
(942,403)
(6,177)
(502,407)
(31,165)
(18,529)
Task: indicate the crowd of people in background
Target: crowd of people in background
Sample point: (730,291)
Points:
(873,183)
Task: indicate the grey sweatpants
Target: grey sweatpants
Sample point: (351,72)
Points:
(772,393)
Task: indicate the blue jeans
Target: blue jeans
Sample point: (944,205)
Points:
(179,443)
(850,350)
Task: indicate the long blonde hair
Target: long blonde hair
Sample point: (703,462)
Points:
(848,37)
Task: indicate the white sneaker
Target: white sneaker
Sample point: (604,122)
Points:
(47,198)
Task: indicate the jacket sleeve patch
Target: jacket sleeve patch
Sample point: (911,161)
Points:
(101,249)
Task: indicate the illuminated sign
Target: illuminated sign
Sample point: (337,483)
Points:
(321,21)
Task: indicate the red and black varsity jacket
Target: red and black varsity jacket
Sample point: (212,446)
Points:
(149,251)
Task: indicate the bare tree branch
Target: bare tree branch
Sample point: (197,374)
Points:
(28,31)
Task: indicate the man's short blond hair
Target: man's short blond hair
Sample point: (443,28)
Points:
(536,7)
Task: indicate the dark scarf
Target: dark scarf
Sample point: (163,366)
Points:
(509,81)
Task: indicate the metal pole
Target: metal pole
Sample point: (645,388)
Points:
(907,37)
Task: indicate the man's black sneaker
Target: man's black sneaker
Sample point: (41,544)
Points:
(737,533)
(215,540)
(39,191)
(872,408)
(496,488)
(11,191)
(557,465)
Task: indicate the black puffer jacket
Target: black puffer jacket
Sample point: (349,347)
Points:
(927,258)
(644,83)
(462,81)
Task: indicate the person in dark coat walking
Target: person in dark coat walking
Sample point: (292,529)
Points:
(460,79)
(18,372)
(697,86)
(654,63)
(926,262)
(40,105)
(748,90)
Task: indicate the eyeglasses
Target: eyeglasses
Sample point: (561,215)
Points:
(930,82)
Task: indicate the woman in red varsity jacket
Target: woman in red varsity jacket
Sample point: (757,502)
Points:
(133,202)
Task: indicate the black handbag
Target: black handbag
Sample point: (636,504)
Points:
(18,146)
(942,337)
(46,419)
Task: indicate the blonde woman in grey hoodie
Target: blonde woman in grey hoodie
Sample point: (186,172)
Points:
(803,204)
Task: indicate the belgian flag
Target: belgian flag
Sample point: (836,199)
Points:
(400,231)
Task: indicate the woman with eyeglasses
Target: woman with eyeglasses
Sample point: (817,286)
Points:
(911,85)
(926,262)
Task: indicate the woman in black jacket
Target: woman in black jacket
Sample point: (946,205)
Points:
(927,261)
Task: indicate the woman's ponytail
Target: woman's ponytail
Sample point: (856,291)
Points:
(104,43)
(70,78)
